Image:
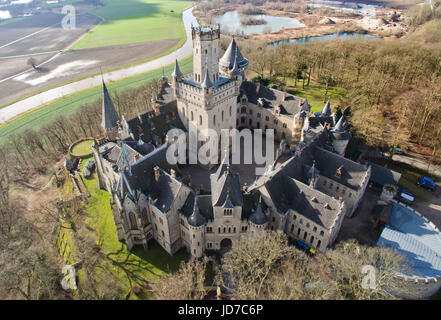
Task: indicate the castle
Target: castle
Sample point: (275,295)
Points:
(306,193)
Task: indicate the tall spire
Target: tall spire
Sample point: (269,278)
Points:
(258,217)
(176,72)
(339,127)
(235,70)
(207,82)
(326,109)
(110,117)
(196,219)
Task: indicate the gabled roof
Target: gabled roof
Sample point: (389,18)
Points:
(165,190)
(110,117)
(225,183)
(288,193)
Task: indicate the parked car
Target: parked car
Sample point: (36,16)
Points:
(405,196)
(427,184)
(398,150)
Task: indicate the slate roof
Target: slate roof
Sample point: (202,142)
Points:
(204,205)
(288,193)
(416,238)
(258,216)
(352,173)
(289,104)
(196,219)
(165,190)
(382,175)
(109,115)
(223,183)
(153,128)
(207,82)
(176,71)
(227,59)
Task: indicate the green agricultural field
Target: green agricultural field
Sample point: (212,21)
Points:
(39,117)
(133,21)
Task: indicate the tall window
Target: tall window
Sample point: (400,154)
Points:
(200,120)
(214,119)
(222,116)
(192,118)
(133,223)
(144,217)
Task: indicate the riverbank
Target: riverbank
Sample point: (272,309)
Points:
(319,21)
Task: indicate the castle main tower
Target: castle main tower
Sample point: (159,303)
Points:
(205,52)
(207,99)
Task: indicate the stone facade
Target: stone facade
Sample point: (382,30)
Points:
(306,194)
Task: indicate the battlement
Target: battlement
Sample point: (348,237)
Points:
(207,32)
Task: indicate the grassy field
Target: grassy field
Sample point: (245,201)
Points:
(39,117)
(127,268)
(132,21)
(83,148)
(315,94)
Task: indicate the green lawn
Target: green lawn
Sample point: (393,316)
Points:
(82,148)
(126,267)
(315,94)
(132,21)
(39,117)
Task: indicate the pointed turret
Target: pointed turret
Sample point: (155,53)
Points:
(207,82)
(227,59)
(110,117)
(176,72)
(196,219)
(235,70)
(339,127)
(326,112)
(258,217)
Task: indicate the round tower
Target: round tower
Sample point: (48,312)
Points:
(196,222)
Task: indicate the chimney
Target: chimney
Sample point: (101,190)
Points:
(157,173)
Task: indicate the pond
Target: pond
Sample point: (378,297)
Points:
(342,35)
(231,22)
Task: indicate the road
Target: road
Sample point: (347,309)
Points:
(45,97)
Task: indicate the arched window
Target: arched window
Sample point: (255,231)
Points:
(192,117)
(214,120)
(200,120)
(133,223)
(230,111)
(144,217)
